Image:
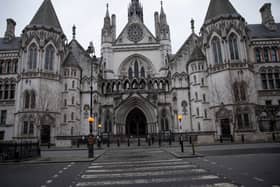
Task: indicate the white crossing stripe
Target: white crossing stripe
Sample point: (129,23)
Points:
(139,174)
(146,181)
(141,169)
(142,165)
(136,162)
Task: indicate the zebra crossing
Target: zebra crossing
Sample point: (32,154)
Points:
(170,172)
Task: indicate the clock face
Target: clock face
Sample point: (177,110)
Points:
(135,32)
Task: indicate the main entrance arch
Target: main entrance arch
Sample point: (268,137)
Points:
(136,123)
(135,116)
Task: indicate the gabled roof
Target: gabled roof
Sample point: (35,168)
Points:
(46,16)
(13,44)
(193,35)
(71,61)
(220,8)
(197,55)
(260,31)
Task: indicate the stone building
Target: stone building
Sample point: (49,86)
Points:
(224,82)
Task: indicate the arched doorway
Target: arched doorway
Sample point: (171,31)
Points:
(136,123)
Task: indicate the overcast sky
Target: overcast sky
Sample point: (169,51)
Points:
(88,15)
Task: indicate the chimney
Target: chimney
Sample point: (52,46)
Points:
(10,32)
(267,18)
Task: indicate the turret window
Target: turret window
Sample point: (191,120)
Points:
(49,57)
(29,99)
(130,73)
(32,59)
(217,52)
(233,47)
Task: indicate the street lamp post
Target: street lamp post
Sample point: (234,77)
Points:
(90,138)
(180,117)
(91,50)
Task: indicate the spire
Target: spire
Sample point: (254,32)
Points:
(192,25)
(46,16)
(163,20)
(74,32)
(107,11)
(135,9)
(161,10)
(219,8)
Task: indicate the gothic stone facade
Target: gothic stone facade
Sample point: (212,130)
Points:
(223,82)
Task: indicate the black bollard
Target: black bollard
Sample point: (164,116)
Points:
(118,142)
(108,143)
(231,138)
(221,139)
(169,140)
(273,136)
(49,145)
(149,142)
(138,141)
(242,138)
(128,142)
(159,141)
(182,143)
(153,140)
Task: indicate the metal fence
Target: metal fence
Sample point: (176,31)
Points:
(19,150)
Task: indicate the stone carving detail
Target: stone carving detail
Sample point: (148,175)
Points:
(135,32)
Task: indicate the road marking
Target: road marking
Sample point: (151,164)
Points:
(225,185)
(275,185)
(141,169)
(136,162)
(144,164)
(258,179)
(55,176)
(49,181)
(146,181)
(43,186)
(60,171)
(205,160)
(213,163)
(96,167)
(138,174)
(229,168)
(65,168)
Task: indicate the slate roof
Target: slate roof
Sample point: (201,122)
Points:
(71,61)
(46,16)
(13,44)
(197,55)
(220,8)
(260,31)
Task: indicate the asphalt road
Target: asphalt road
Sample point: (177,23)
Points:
(258,166)
(246,169)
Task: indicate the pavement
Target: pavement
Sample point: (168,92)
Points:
(80,154)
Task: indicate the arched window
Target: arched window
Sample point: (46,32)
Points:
(65,86)
(266,54)
(274,55)
(196,96)
(6,90)
(194,79)
(65,118)
(258,55)
(73,100)
(32,59)
(33,99)
(204,97)
(49,58)
(243,91)
(197,111)
(26,99)
(136,69)
(205,113)
(130,73)
(65,102)
(217,52)
(236,92)
(143,72)
(73,84)
(233,47)
(72,116)
(12,90)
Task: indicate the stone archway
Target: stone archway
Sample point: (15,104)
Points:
(136,106)
(136,123)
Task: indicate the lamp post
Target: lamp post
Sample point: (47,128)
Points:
(180,117)
(90,138)
(91,50)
